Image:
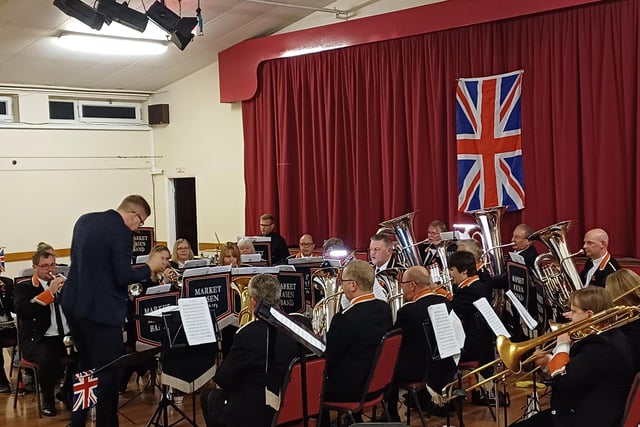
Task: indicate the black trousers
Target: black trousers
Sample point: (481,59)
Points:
(98,345)
(47,354)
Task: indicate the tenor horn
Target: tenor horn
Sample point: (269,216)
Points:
(556,269)
(402,227)
(489,222)
(240,285)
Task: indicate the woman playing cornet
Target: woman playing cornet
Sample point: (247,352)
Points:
(591,377)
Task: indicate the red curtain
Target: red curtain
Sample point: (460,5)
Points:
(338,141)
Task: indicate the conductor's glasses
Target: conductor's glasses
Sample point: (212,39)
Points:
(139,218)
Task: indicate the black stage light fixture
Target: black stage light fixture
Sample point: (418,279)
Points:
(81,11)
(179,29)
(122,14)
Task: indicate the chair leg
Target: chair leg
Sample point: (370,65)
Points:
(17,388)
(13,355)
(414,394)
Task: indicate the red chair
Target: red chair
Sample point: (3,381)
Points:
(291,392)
(631,417)
(379,379)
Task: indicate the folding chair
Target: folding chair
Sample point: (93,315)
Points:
(291,392)
(380,377)
(631,417)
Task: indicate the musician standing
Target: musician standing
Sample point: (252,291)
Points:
(95,294)
(591,377)
(600,263)
(279,248)
(354,336)
(415,360)
(43,325)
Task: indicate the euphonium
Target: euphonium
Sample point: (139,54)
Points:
(489,222)
(325,279)
(241,286)
(402,227)
(556,269)
(390,279)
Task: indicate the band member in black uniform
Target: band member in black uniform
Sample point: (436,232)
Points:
(95,295)
(619,283)
(591,377)
(479,340)
(279,248)
(416,353)
(600,263)
(6,307)
(354,336)
(42,326)
(252,373)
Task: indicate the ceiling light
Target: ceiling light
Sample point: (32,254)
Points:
(81,11)
(122,14)
(110,45)
(179,29)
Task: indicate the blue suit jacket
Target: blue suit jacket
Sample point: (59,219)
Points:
(101,269)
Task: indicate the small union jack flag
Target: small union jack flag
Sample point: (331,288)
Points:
(84,390)
(488,132)
(1,259)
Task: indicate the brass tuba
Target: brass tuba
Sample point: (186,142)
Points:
(555,269)
(489,222)
(402,227)
(240,285)
(325,279)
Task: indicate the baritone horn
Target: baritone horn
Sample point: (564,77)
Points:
(556,269)
(240,285)
(326,280)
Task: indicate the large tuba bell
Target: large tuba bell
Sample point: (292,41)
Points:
(326,279)
(240,285)
(402,227)
(489,222)
(555,269)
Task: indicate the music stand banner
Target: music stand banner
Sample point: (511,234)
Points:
(215,288)
(292,294)
(541,306)
(518,278)
(265,249)
(150,331)
(143,241)
(307,270)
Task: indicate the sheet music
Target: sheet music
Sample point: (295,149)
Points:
(524,313)
(443,329)
(158,312)
(516,257)
(291,325)
(254,270)
(196,320)
(255,239)
(491,317)
(203,271)
(307,260)
(159,289)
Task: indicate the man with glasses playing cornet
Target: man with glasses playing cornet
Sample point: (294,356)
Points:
(591,376)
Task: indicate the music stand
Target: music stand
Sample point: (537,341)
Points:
(283,322)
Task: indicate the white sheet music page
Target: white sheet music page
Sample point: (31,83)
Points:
(196,320)
(516,257)
(491,317)
(158,289)
(524,313)
(443,329)
(293,326)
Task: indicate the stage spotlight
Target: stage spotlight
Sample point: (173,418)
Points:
(81,11)
(179,29)
(123,14)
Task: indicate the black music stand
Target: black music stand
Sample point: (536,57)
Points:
(303,335)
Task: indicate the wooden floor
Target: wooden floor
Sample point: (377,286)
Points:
(140,409)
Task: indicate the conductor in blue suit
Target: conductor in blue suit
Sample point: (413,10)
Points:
(95,294)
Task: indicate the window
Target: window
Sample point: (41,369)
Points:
(6,109)
(94,111)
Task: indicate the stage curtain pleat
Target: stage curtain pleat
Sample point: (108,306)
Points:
(337,141)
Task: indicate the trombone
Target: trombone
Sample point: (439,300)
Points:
(511,354)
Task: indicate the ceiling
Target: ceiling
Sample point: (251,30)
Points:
(30,54)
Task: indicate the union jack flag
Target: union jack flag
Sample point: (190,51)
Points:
(84,390)
(488,133)
(1,259)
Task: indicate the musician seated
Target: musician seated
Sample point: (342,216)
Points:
(478,345)
(230,255)
(416,353)
(623,286)
(591,376)
(306,246)
(42,327)
(600,263)
(181,252)
(253,371)
(6,307)
(430,255)
(246,247)
(354,335)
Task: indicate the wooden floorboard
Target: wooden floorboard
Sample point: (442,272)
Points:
(138,412)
